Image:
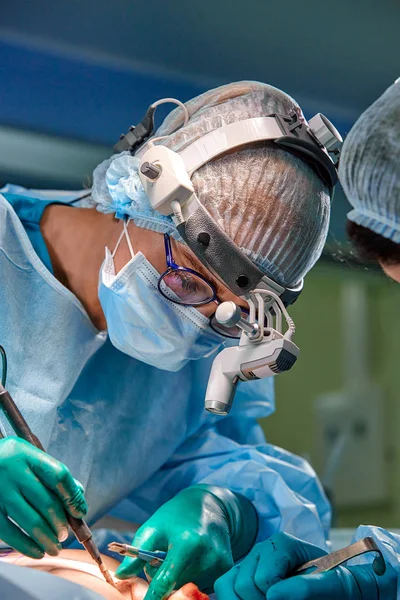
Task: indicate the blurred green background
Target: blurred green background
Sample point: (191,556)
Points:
(319,370)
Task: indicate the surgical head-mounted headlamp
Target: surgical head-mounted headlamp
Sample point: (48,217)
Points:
(166,177)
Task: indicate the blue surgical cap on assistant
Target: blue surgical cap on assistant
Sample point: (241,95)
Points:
(369,168)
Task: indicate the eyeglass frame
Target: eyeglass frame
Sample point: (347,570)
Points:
(172,266)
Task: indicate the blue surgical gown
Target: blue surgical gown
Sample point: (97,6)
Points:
(132,434)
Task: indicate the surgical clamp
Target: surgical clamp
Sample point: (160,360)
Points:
(335,559)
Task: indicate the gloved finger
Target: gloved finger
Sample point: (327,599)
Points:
(58,478)
(49,506)
(279,557)
(379,565)
(14,537)
(225,586)
(146,538)
(332,585)
(32,523)
(246,586)
(168,574)
(151,570)
(80,485)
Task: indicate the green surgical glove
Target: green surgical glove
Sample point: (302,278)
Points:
(35,492)
(204,529)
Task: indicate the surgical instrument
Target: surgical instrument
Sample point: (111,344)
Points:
(262,351)
(335,559)
(78,526)
(154,558)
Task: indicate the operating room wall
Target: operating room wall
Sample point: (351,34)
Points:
(320,370)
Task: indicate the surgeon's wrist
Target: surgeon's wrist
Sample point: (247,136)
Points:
(241,517)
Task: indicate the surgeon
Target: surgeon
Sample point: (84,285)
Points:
(370,174)
(107,318)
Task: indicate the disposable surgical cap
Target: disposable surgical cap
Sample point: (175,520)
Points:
(268,201)
(370,166)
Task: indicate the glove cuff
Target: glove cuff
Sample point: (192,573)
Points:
(241,517)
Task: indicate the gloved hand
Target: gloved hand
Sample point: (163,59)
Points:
(204,529)
(266,574)
(35,491)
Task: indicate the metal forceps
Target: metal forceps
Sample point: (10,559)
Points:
(154,558)
(22,429)
(335,559)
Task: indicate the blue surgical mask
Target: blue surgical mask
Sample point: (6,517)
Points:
(144,324)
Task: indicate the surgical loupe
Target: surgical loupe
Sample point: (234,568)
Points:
(263,351)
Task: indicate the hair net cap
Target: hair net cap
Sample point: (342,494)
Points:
(269,202)
(369,168)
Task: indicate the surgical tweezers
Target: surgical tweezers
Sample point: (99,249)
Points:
(78,526)
(335,559)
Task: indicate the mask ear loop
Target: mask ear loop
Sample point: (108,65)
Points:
(128,239)
(125,233)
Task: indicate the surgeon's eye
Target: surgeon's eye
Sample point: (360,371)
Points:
(185,287)
(190,285)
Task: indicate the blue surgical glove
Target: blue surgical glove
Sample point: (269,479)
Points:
(265,574)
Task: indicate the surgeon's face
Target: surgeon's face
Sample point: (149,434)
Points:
(392,271)
(151,244)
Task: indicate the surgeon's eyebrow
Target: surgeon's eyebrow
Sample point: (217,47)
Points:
(196,265)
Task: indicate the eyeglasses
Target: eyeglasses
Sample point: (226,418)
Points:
(187,287)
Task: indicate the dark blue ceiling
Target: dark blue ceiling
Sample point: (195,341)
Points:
(87,69)
(74,98)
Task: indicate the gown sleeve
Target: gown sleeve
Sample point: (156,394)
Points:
(283,487)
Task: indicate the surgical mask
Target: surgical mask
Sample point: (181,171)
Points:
(144,324)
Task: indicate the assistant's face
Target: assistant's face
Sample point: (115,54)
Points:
(392,271)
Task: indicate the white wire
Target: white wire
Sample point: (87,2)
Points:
(173,101)
(278,317)
(177,209)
